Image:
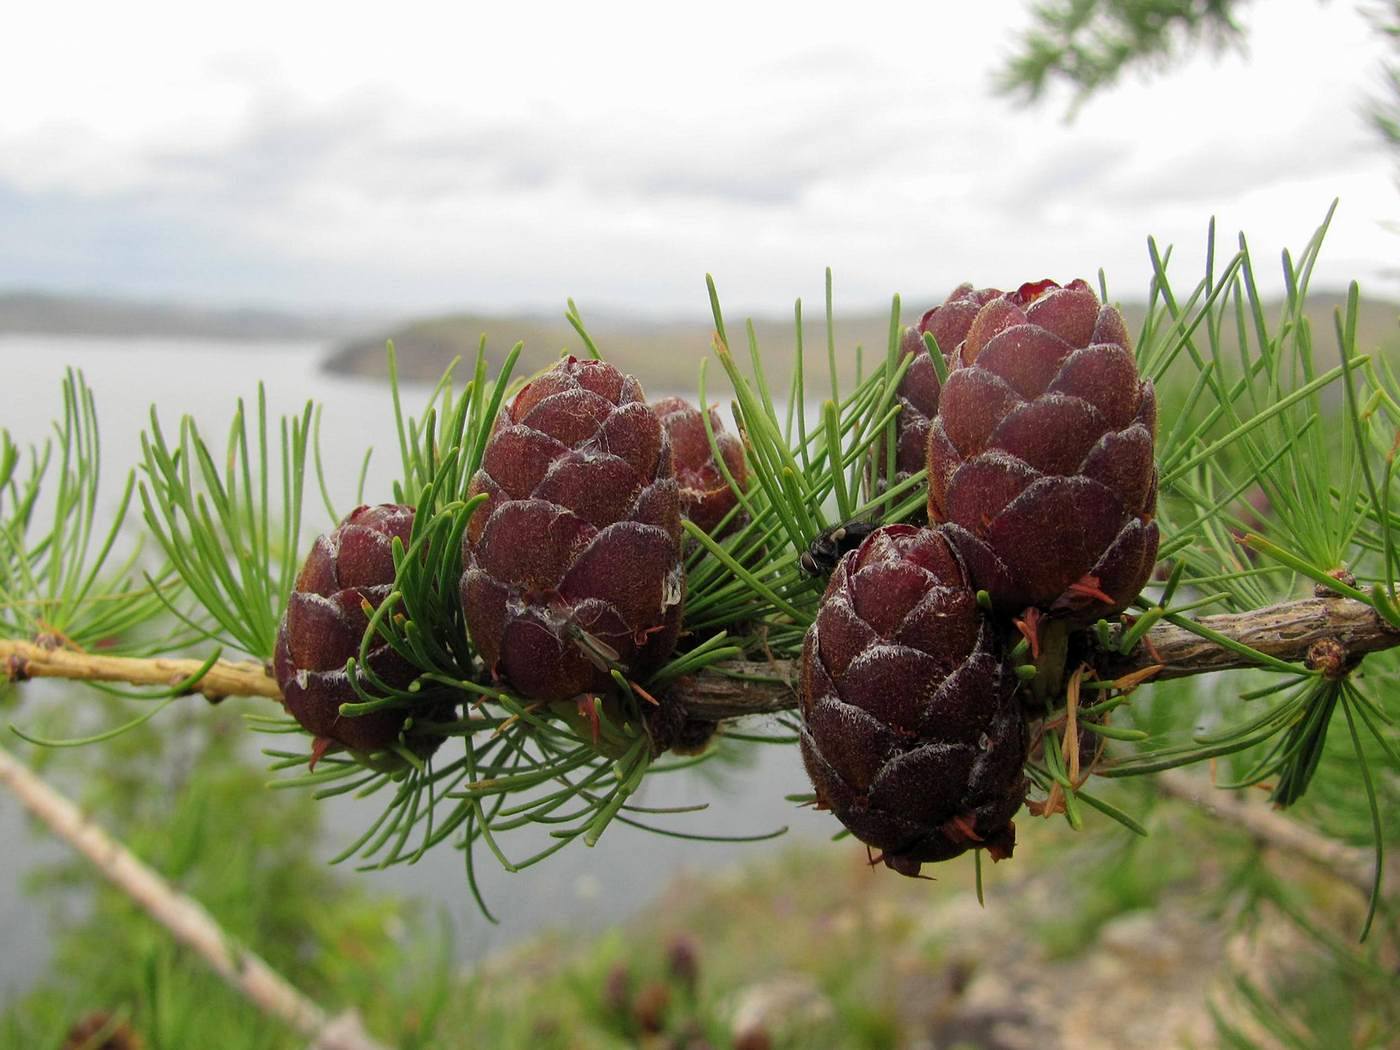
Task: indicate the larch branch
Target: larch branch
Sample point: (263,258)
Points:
(21,660)
(1286,631)
(737,688)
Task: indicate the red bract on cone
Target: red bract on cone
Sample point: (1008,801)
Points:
(1041,456)
(704,494)
(911,735)
(573,563)
(919,389)
(325,621)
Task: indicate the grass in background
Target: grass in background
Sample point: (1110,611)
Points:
(197,811)
(810,946)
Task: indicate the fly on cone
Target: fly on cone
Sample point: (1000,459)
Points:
(911,734)
(572,565)
(348,568)
(1041,455)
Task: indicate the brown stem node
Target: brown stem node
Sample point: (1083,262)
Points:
(16,668)
(1342,576)
(1328,656)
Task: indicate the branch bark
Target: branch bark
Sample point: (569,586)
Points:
(1286,631)
(22,660)
(737,688)
(185,918)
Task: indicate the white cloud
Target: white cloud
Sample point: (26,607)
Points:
(506,157)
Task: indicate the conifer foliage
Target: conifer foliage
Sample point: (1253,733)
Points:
(566,588)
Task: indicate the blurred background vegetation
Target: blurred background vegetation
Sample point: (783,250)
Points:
(1195,935)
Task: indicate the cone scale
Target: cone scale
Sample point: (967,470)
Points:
(705,495)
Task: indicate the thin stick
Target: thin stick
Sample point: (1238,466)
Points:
(736,688)
(184,917)
(1355,867)
(21,660)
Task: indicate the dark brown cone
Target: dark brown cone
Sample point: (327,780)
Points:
(102,1031)
(911,735)
(704,494)
(574,559)
(650,1007)
(919,389)
(683,962)
(325,621)
(1041,456)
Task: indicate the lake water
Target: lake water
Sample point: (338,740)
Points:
(579,887)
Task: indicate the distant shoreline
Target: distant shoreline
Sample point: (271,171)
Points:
(46,313)
(666,354)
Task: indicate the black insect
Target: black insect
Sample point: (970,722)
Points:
(822,554)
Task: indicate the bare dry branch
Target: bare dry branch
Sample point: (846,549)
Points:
(1355,867)
(184,917)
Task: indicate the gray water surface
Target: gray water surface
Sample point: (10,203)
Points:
(579,887)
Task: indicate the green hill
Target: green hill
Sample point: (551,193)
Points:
(665,354)
(49,313)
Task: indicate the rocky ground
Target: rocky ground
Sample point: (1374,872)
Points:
(1098,943)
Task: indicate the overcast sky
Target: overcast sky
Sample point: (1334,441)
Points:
(504,156)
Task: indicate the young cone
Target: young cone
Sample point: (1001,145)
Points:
(348,568)
(1041,455)
(911,734)
(573,563)
(919,389)
(704,494)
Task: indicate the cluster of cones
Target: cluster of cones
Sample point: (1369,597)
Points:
(1037,433)
(571,567)
(1041,496)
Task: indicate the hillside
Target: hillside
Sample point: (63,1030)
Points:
(666,354)
(31,312)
